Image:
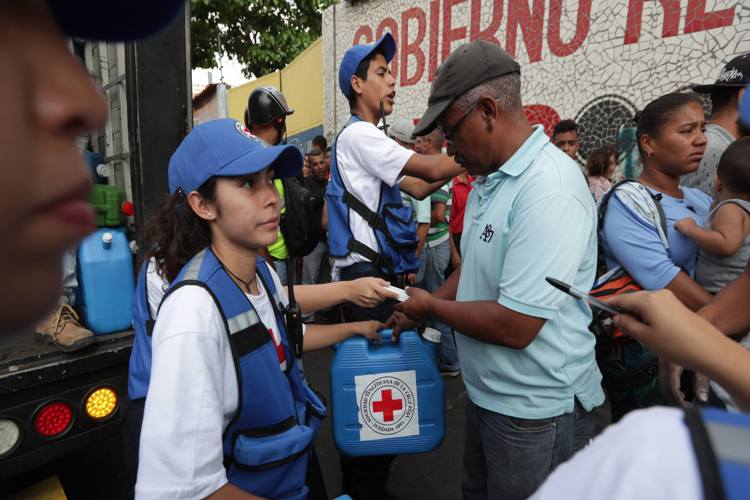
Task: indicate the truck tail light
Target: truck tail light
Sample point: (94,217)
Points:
(101,403)
(53,419)
(10,435)
(127,209)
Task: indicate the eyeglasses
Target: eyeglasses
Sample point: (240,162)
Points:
(450,134)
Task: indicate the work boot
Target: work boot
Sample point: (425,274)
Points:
(64,331)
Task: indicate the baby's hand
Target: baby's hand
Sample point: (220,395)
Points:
(685,225)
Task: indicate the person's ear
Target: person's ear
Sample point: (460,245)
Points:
(357,85)
(489,109)
(647,145)
(201,206)
(718,185)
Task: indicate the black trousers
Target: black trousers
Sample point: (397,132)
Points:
(131,433)
(364,478)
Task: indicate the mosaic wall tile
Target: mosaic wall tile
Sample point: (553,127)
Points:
(594,61)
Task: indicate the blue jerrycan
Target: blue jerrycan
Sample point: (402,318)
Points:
(105,269)
(388,398)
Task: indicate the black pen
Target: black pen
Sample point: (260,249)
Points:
(593,301)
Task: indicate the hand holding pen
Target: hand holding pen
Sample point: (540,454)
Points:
(592,301)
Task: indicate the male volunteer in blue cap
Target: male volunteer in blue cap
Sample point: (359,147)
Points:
(369,165)
(527,357)
(48,99)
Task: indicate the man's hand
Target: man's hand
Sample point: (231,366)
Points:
(670,382)
(419,305)
(420,248)
(399,322)
(455,259)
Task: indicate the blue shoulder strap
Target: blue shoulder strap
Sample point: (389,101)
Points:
(721,441)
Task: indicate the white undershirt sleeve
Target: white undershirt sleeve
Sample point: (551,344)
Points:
(187,406)
(364,145)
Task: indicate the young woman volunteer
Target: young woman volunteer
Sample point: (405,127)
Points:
(228,411)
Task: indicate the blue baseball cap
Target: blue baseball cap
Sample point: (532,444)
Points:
(226,148)
(354,55)
(114,20)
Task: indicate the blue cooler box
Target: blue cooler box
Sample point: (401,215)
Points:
(388,398)
(105,273)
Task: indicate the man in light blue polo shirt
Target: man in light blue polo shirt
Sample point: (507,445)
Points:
(525,349)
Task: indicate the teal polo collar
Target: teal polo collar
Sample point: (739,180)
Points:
(516,164)
(526,154)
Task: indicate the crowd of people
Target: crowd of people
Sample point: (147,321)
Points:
(470,210)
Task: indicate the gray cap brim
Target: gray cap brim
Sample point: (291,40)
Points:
(429,119)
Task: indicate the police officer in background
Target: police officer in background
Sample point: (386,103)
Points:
(265,116)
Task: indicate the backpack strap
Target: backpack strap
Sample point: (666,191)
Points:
(293,336)
(380,261)
(373,219)
(653,201)
(713,488)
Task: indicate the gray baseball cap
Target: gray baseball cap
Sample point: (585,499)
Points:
(468,66)
(402,130)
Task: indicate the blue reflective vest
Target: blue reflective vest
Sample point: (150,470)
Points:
(393,224)
(139,367)
(268,442)
(721,441)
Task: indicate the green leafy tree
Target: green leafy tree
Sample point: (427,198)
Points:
(264,35)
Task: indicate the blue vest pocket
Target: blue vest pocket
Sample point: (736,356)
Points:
(272,465)
(316,408)
(399,240)
(398,221)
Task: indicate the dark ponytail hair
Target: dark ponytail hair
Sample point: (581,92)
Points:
(659,111)
(174,233)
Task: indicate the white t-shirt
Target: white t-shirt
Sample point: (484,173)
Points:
(366,157)
(192,395)
(156,286)
(646,456)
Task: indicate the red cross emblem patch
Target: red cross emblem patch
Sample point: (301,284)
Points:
(387,405)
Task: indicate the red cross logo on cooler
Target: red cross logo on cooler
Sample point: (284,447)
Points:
(387,405)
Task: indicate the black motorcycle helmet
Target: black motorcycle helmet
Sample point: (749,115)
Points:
(265,105)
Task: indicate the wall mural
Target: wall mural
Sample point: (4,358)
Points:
(596,62)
